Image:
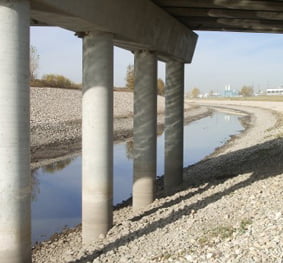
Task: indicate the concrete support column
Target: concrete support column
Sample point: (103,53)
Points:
(15,183)
(145,122)
(174,121)
(97,135)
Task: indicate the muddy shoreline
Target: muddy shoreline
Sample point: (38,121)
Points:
(65,146)
(200,112)
(61,151)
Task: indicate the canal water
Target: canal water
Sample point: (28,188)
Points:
(56,198)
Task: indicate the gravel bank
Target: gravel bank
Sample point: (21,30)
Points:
(56,121)
(229,210)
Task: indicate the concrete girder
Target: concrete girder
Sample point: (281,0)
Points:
(136,24)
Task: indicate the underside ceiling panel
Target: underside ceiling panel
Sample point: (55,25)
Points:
(227,15)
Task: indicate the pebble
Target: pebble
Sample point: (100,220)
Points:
(253,231)
(55,118)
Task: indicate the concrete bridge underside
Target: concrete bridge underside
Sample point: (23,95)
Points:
(159,29)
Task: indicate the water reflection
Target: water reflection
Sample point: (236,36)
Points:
(35,184)
(48,169)
(227,118)
(130,149)
(58,203)
(57,199)
(57,166)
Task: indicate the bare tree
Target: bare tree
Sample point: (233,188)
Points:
(130,80)
(160,87)
(247,91)
(195,92)
(130,77)
(34,63)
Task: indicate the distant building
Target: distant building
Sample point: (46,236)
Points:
(214,94)
(228,92)
(277,91)
(260,93)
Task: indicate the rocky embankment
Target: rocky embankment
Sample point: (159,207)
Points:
(230,208)
(56,121)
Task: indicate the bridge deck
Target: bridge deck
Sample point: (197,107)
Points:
(226,15)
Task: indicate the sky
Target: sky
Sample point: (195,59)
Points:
(220,59)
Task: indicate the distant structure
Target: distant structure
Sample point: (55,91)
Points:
(277,91)
(214,94)
(260,93)
(211,94)
(228,92)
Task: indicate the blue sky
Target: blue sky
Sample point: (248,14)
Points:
(220,59)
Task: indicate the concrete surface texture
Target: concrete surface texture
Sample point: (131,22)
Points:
(14,133)
(174,122)
(135,24)
(97,135)
(145,124)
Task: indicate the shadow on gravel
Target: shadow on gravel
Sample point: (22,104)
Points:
(262,161)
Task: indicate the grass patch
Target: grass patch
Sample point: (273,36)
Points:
(221,232)
(161,258)
(244,225)
(204,240)
(207,239)
(279,135)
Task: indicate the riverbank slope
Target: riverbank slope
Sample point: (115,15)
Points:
(56,121)
(229,210)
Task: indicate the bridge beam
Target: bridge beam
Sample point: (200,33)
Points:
(174,124)
(145,123)
(15,178)
(145,26)
(97,135)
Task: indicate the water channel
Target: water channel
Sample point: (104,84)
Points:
(56,199)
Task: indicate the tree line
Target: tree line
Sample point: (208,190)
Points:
(130,81)
(47,80)
(59,81)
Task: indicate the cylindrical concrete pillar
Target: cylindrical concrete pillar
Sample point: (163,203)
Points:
(15,183)
(97,135)
(174,121)
(145,122)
